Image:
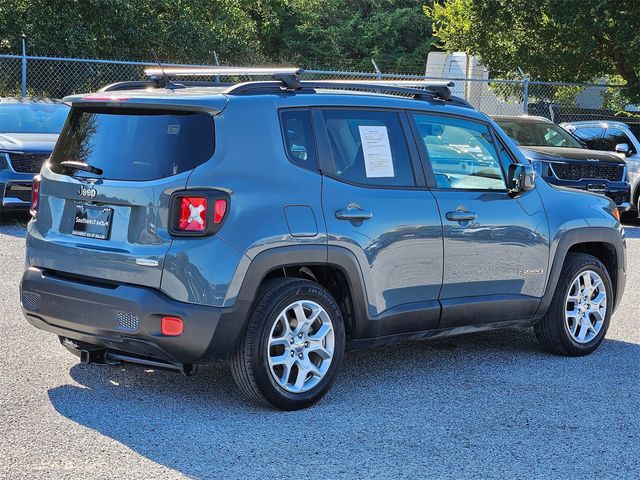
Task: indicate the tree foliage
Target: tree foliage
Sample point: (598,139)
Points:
(347,33)
(555,40)
(179,30)
(311,33)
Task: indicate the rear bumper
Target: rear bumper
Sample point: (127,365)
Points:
(126,318)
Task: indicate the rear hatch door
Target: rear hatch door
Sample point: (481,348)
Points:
(111,224)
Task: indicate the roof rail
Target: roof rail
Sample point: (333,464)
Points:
(420,89)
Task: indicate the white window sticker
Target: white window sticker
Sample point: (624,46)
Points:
(377,151)
(173,129)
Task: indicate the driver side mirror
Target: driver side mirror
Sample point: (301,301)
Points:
(521,178)
(623,148)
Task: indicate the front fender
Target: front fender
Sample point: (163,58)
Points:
(611,236)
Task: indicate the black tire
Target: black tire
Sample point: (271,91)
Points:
(551,331)
(249,365)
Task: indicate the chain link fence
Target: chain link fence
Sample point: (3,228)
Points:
(57,77)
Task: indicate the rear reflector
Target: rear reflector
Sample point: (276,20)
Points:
(193,214)
(35,191)
(171,326)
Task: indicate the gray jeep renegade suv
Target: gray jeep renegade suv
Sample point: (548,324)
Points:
(277,223)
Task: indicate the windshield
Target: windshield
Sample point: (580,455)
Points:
(538,134)
(129,144)
(32,117)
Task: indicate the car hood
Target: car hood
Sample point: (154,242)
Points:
(563,154)
(28,142)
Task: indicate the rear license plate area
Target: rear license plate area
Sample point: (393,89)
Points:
(92,222)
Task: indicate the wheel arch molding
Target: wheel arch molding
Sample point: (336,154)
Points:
(606,244)
(313,260)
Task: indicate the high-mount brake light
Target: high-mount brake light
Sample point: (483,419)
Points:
(35,194)
(92,98)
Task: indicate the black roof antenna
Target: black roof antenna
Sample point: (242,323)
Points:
(163,82)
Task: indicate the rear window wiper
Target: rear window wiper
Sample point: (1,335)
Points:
(85,167)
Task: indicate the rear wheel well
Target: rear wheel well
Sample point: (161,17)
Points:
(605,252)
(331,278)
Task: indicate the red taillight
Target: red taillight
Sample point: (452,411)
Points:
(35,191)
(198,212)
(220,208)
(171,326)
(193,214)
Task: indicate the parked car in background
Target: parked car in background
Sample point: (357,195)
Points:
(29,129)
(347,220)
(614,137)
(562,160)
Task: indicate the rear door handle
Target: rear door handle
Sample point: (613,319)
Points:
(461,216)
(353,214)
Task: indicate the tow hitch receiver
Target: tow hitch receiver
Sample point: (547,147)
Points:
(102,356)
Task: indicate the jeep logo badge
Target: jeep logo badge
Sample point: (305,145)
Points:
(87,192)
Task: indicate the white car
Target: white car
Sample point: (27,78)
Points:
(612,137)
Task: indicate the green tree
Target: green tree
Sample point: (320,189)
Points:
(311,33)
(180,30)
(345,33)
(555,40)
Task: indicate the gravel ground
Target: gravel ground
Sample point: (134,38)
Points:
(488,405)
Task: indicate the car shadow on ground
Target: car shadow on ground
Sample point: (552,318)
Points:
(484,405)
(14,223)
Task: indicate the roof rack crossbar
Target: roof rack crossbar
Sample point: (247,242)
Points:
(288,75)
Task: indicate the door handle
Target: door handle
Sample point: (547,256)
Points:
(461,216)
(353,214)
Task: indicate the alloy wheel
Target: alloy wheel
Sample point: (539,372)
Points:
(586,306)
(301,346)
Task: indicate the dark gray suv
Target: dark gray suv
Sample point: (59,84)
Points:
(277,223)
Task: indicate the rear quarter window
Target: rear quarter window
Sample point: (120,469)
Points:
(298,137)
(134,144)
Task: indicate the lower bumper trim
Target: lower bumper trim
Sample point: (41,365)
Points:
(87,313)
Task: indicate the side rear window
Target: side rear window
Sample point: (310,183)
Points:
(134,144)
(298,138)
(369,148)
(591,136)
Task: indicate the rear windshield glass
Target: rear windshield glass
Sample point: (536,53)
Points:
(134,144)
